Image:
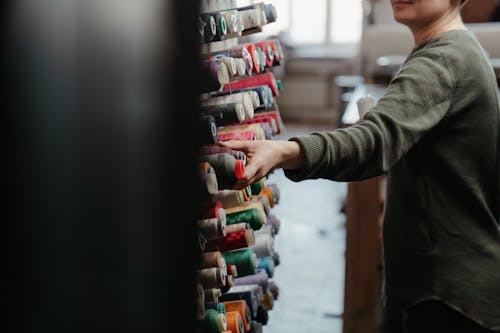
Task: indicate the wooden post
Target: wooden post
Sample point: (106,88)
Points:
(363,256)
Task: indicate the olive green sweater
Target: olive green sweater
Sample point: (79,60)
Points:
(435,132)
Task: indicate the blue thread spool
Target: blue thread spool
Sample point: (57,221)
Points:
(266,263)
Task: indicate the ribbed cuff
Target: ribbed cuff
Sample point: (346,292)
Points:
(312,148)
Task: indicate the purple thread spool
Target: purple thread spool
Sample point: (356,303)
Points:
(260,278)
(273,288)
(276,192)
(273,221)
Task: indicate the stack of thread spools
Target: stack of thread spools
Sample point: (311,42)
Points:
(237,228)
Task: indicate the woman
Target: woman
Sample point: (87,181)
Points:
(435,133)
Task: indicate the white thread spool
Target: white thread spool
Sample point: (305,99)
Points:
(230,198)
(264,245)
(230,64)
(241,66)
(364,105)
(241,98)
(251,18)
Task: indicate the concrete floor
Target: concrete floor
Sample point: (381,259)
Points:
(311,245)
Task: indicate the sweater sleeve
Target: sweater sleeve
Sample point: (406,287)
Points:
(415,101)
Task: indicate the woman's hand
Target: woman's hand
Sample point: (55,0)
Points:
(263,156)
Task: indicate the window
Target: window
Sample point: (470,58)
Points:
(316,21)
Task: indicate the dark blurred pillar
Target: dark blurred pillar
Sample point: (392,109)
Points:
(99,99)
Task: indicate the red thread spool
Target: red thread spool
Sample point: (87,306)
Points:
(236,240)
(212,209)
(243,135)
(276,115)
(268,51)
(252,49)
(258,80)
(266,120)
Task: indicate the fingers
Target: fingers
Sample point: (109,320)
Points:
(241,145)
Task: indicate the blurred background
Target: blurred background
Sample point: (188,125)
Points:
(101,100)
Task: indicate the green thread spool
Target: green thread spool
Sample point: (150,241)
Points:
(256,187)
(250,216)
(214,321)
(262,58)
(222,24)
(221,308)
(244,259)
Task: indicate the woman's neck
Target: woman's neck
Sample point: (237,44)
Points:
(451,21)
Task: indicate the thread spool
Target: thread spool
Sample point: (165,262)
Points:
(258,185)
(228,285)
(276,258)
(256,102)
(256,327)
(212,277)
(225,114)
(241,51)
(217,306)
(241,307)
(202,241)
(207,180)
(214,321)
(264,245)
(200,301)
(243,98)
(244,259)
(263,201)
(262,315)
(232,270)
(237,240)
(208,129)
(273,288)
(276,115)
(210,27)
(276,192)
(230,198)
(267,192)
(252,216)
(247,192)
(265,97)
(249,293)
(266,263)
(267,123)
(228,61)
(212,228)
(241,67)
(251,18)
(235,322)
(268,300)
(212,259)
(270,12)
(232,21)
(227,168)
(260,278)
(262,59)
(265,229)
(257,80)
(238,227)
(240,135)
(212,295)
(221,27)
(214,149)
(255,128)
(212,209)
(255,58)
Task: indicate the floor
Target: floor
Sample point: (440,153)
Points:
(311,246)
